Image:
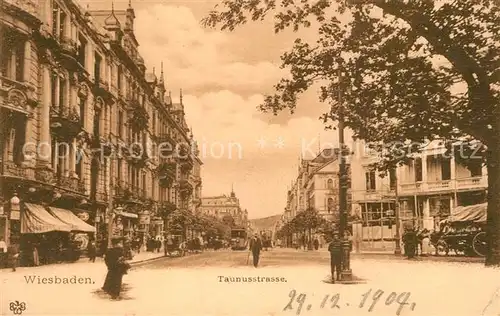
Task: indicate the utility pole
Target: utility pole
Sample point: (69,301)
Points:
(397,250)
(346,273)
(110,203)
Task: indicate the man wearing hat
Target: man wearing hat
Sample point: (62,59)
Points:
(255,248)
(335,249)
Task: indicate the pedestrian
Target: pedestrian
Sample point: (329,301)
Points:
(13,254)
(92,251)
(169,245)
(335,249)
(410,242)
(117,267)
(316,243)
(255,247)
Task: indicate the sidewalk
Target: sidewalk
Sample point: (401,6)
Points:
(137,259)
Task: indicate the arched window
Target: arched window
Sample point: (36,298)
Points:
(330,205)
(329,184)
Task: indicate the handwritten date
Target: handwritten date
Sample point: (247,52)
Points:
(368,300)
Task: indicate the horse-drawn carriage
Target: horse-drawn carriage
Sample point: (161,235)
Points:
(463,232)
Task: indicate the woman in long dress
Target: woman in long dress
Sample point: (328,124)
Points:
(117,267)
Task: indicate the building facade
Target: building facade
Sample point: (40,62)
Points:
(84,127)
(316,187)
(428,188)
(226,208)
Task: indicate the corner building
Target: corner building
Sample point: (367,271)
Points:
(81,124)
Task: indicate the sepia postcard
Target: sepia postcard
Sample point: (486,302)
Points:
(250,157)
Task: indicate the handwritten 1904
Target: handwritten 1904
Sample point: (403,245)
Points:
(368,300)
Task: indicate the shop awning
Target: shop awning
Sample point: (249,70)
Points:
(76,224)
(36,220)
(472,213)
(127,214)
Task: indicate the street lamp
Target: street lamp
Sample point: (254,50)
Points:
(346,273)
(15,207)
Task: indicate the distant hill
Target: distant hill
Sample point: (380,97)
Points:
(264,223)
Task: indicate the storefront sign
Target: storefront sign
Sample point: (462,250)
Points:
(84,216)
(157,222)
(16,215)
(82,241)
(144,219)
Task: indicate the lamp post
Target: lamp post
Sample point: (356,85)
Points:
(397,249)
(346,273)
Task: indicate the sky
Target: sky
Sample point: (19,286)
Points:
(223,77)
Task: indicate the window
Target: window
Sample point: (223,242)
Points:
(418,169)
(82,47)
(62,24)
(97,68)
(119,79)
(445,168)
(79,163)
(119,170)
(330,205)
(370,180)
(392,179)
(329,184)
(476,168)
(62,93)
(82,109)
(120,123)
(97,123)
(55,16)
(12,52)
(54,82)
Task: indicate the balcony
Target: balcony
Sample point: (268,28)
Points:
(185,188)
(136,154)
(101,146)
(439,185)
(15,171)
(472,183)
(73,184)
(102,88)
(166,174)
(101,195)
(464,184)
(69,53)
(16,95)
(128,193)
(166,145)
(65,122)
(29,6)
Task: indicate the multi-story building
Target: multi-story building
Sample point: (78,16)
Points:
(428,188)
(316,186)
(83,126)
(226,208)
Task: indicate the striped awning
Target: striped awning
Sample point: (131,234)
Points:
(66,216)
(472,213)
(36,220)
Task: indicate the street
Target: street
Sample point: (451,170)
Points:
(221,283)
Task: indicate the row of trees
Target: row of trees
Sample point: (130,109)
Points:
(305,223)
(180,220)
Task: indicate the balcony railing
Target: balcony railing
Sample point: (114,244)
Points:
(11,169)
(73,184)
(473,182)
(65,121)
(29,6)
(444,185)
(128,191)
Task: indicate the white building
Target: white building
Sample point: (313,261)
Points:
(428,188)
